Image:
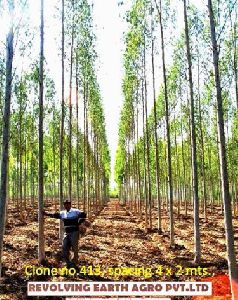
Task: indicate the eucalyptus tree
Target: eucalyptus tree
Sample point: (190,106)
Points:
(70,103)
(61,151)
(6,127)
(2,85)
(146,131)
(169,163)
(155,133)
(197,243)
(235,54)
(233,269)
(77,127)
(41,241)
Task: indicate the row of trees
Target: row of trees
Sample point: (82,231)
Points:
(177,155)
(57,145)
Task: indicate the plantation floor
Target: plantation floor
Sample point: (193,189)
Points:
(116,239)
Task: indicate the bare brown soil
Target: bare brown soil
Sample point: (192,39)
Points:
(116,238)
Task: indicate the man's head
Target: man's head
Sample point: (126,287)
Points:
(67,204)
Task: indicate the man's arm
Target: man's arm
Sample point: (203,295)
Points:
(54,215)
(81,217)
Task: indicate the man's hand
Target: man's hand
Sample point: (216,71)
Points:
(82,229)
(54,215)
(87,223)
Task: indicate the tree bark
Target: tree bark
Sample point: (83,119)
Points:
(61,150)
(167,121)
(197,243)
(70,107)
(147,142)
(204,186)
(77,131)
(144,159)
(235,68)
(84,144)
(5,138)
(41,240)
(156,141)
(233,270)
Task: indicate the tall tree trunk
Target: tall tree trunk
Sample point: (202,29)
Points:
(197,243)
(169,163)
(87,146)
(147,142)
(32,170)
(41,240)
(183,186)
(138,163)
(202,148)
(25,174)
(61,152)
(5,138)
(84,145)
(177,169)
(144,158)
(210,177)
(54,160)
(233,270)
(235,68)
(184,171)
(95,168)
(77,131)
(20,156)
(70,107)
(17,180)
(156,140)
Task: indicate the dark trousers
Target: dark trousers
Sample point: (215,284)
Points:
(71,240)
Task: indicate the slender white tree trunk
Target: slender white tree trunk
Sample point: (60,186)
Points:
(5,140)
(167,122)
(61,150)
(156,138)
(197,243)
(41,239)
(233,270)
(70,107)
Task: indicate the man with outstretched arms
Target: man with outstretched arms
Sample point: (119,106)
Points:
(72,218)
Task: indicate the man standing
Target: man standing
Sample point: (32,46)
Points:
(72,218)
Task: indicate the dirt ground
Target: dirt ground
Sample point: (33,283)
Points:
(115,240)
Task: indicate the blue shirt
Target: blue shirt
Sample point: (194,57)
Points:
(72,219)
(71,214)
